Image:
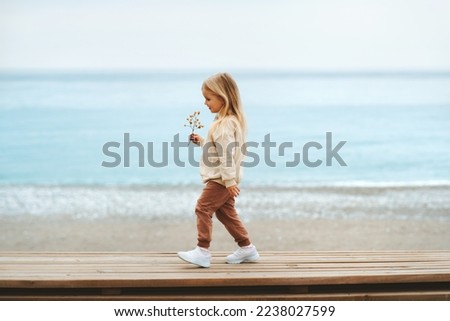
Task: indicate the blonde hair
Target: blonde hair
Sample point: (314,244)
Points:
(224,86)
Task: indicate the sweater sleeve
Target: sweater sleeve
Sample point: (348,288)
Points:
(202,141)
(226,144)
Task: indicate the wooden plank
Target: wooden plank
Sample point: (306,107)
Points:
(386,296)
(174,260)
(70,271)
(220,266)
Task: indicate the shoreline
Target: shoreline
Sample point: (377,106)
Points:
(161,218)
(255,203)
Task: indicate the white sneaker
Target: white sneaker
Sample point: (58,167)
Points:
(243,254)
(196,256)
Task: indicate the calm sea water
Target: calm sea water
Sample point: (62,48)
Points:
(396,130)
(53,127)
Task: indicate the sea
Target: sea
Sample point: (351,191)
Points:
(115,143)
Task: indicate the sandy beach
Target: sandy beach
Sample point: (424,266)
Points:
(145,218)
(138,234)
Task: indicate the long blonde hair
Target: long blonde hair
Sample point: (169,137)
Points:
(224,86)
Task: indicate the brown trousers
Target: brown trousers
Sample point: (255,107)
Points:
(216,198)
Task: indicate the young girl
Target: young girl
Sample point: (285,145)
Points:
(220,168)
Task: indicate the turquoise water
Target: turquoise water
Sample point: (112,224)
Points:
(396,127)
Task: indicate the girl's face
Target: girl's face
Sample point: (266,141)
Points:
(212,101)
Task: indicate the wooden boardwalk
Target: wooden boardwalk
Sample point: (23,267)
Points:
(381,275)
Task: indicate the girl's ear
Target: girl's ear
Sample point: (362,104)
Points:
(222,101)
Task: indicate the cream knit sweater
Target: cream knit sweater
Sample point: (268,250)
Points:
(222,153)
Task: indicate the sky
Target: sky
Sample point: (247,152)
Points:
(304,35)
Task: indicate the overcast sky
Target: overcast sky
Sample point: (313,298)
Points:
(313,35)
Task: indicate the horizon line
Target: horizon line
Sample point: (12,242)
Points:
(237,71)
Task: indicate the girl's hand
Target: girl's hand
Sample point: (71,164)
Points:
(195,138)
(234,190)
